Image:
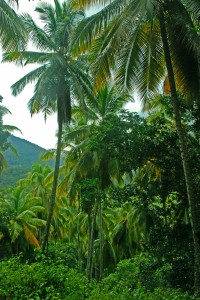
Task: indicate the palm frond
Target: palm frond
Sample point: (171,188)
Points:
(3,110)
(12,32)
(47,15)
(88,3)
(184,49)
(18,87)
(30,237)
(15,230)
(40,39)
(3,162)
(89,28)
(194,8)
(10,128)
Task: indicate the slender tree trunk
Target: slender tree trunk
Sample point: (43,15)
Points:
(54,187)
(79,242)
(92,239)
(100,241)
(91,243)
(197,101)
(193,203)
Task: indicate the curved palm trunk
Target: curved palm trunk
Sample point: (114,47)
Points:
(54,187)
(193,202)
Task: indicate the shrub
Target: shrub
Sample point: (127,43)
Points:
(44,279)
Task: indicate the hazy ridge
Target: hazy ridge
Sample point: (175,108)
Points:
(20,165)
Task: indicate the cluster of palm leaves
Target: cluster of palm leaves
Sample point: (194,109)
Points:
(87,69)
(5,131)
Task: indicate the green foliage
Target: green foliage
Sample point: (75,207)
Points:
(132,280)
(127,136)
(44,279)
(48,278)
(89,192)
(64,251)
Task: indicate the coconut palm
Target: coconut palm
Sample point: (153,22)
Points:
(84,159)
(59,76)
(38,182)
(88,159)
(23,211)
(129,229)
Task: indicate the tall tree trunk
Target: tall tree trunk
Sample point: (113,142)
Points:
(91,243)
(89,246)
(193,202)
(105,180)
(79,242)
(54,187)
(92,239)
(100,241)
(198,101)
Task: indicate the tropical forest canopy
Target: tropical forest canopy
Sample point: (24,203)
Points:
(117,216)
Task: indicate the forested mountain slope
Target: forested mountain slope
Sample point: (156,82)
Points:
(18,166)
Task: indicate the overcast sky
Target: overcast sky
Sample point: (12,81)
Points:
(34,129)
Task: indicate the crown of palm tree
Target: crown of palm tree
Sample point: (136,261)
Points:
(124,38)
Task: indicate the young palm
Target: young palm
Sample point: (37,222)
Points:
(59,76)
(23,216)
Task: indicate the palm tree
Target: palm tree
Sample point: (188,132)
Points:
(59,76)
(23,213)
(87,159)
(130,224)
(84,159)
(135,38)
(38,183)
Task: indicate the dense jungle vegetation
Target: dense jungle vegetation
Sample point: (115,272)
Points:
(118,217)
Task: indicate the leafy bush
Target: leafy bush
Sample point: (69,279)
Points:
(46,279)
(64,251)
(140,270)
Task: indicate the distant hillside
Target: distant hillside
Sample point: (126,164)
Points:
(19,166)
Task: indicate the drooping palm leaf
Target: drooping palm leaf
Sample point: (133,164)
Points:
(12,31)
